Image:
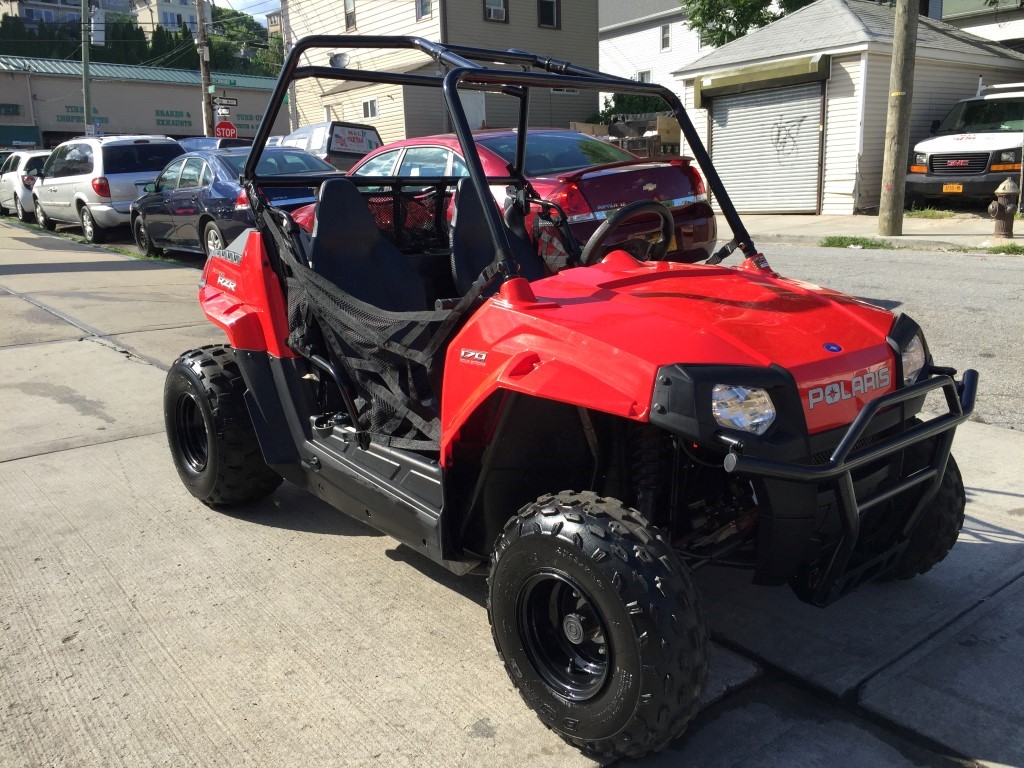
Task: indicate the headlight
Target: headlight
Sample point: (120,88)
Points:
(747,408)
(1009,156)
(913,359)
(920,158)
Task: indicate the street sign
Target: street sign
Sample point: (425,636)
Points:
(223,112)
(224,101)
(225,130)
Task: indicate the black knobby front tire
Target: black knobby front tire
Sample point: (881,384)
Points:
(210,432)
(598,623)
(938,529)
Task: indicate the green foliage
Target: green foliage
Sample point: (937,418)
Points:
(627,104)
(126,43)
(721,21)
(853,241)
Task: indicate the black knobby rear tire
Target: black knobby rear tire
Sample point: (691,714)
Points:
(938,529)
(210,432)
(577,565)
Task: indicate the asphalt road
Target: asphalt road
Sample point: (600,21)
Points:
(138,627)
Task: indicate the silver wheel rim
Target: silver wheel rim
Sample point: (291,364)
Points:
(40,214)
(141,237)
(87,224)
(213,241)
(18,209)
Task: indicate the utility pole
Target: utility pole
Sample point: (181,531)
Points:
(86,37)
(204,68)
(897,122)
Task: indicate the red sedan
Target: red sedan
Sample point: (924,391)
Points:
(588,178)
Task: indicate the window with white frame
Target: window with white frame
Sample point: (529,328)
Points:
(369,108)
(496,10)
(548,14)
(350,14)
(644,76)
(666,37)
(423,9)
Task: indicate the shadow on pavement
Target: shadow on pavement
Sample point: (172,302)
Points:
(46,267)
(293,509)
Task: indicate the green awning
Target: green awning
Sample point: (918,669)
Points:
(19,136)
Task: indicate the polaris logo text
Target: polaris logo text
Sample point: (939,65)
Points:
(844,390)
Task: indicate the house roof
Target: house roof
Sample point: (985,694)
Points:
(612,14)
(59,67)
(832,24)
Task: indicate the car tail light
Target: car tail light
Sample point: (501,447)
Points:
(696,180)
(101,186)
(572,202)
(242,201)
(28,181)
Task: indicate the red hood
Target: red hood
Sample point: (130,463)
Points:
(620,321)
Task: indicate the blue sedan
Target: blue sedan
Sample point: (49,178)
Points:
(196,203)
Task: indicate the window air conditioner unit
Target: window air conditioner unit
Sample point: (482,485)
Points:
(495,14)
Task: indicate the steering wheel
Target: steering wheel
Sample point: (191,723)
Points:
(603,233)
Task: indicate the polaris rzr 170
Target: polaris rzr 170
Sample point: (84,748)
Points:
(585,433)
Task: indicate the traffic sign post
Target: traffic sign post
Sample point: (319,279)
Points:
(224,101)
(225,130)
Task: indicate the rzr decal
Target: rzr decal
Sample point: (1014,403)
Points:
(472,356)
(844,390)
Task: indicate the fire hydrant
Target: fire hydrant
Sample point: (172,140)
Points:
(1003,208)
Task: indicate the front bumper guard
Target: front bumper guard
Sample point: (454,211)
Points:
(836,580)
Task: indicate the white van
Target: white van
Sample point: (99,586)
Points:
(975,147)
(340,144)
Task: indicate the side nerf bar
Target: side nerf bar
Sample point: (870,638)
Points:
(960,396)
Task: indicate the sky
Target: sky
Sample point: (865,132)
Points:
(257,8)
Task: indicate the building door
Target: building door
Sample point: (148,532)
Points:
(766,146)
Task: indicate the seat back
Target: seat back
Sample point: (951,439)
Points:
(472,246)
(350,251)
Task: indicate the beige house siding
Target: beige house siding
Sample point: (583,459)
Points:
(699,118)
(419,112)
(842,131)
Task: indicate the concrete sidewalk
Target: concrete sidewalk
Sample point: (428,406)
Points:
(963,231)
(141,628)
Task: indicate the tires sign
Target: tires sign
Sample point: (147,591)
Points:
(225,130)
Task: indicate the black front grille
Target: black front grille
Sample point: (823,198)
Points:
(822,457)
(961,164)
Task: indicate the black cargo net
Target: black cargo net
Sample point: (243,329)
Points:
(392,359)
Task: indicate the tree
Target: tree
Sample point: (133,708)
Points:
(721,21)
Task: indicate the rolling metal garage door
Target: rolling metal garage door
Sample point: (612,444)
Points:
(766,146)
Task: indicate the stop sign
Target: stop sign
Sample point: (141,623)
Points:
(225,129)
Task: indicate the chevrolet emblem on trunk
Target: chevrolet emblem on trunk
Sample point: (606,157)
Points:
(650,187)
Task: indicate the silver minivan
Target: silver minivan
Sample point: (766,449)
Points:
(93,180)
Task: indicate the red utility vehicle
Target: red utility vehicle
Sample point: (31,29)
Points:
(446,392)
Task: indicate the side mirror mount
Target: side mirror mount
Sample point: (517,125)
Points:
(934,127)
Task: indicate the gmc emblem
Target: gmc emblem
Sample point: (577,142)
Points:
(957,163)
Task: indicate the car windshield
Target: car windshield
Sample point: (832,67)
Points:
(985,116)
(275,162)
(133,158)
(551,153)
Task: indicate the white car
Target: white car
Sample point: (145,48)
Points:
(92,181)
(17,175)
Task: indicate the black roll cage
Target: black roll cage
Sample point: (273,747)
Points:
(466,70)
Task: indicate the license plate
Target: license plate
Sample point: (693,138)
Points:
(952,187)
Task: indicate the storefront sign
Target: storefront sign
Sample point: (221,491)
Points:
(173,118)
(74,114)
(10,110)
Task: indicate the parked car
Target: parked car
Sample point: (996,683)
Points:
(588,178)
(340,144)
(192,143)
(17,175)
(196,204)
(92,181)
